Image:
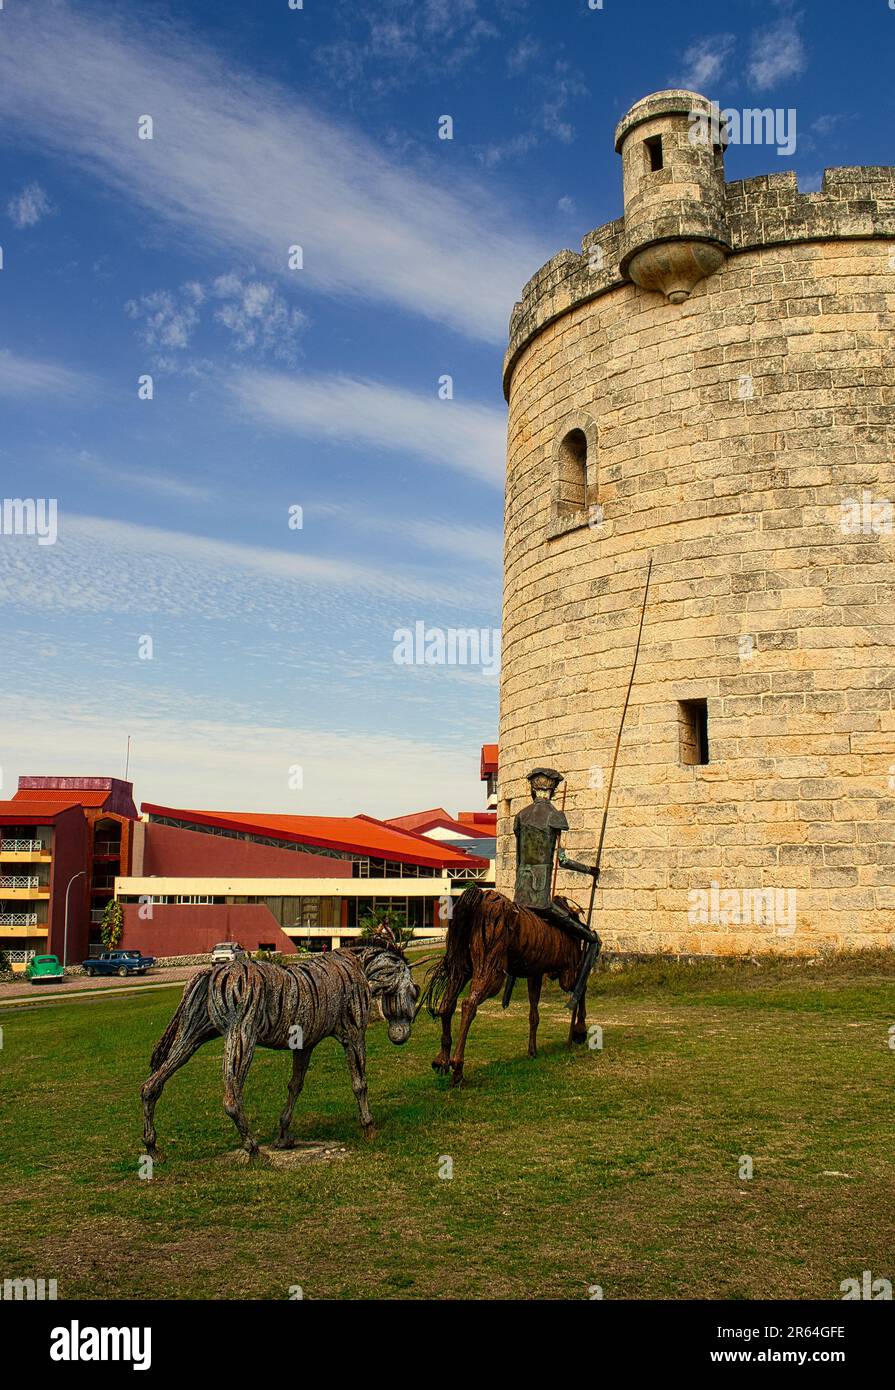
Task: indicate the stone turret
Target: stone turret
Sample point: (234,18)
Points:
(672,149)
(710,382)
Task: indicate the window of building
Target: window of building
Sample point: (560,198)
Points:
(654,152)
(572,473)
(693,728)
(574,480)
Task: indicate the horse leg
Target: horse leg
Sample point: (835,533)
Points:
(356,1056)
(239,1048)
(300,1059)
(187,1040)
(534,994)
(485,984)
(442,1062)
(578,1023)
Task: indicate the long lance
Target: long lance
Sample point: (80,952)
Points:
(559,841)
(618,741)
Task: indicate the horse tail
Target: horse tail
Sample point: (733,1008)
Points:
(194,1001)
(455,967)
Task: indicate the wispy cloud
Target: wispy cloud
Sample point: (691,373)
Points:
(388,44)
(777,53)
(181,758)
(549,102)
(522,55)
(257,317)
(252,312)
(181,572)
(142,479)
(239,162)
(475,545)
(824,134)
(478,546)
(468,438)
(222,557)
(704,62)
(27,376)
(28,207)
(167,319)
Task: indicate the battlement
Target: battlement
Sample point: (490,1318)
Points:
(685,204)
(705,392)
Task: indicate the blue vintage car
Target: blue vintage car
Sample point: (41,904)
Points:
(129,962)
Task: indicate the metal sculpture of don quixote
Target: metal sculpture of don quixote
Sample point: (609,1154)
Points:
(492,941)
(285,1007)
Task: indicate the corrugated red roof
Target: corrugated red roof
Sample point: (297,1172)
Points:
(41,811)
(467,823)
(351,834)
(416,819)
(36,795)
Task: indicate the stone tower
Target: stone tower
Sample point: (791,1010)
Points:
(711,381)
(675,203)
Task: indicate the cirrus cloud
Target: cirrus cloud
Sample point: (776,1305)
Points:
(28,207)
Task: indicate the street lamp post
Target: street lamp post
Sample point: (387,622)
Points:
(80,874)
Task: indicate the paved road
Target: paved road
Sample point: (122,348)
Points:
(76,986)
(81,984)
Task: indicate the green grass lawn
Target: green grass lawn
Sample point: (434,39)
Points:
(617,1167)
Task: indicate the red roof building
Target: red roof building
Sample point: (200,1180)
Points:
(488,772)
(189,878)
(467,824)
(279,881)
(63,842)
(361,839)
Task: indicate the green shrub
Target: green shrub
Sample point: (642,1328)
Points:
(385,917)
(112,925)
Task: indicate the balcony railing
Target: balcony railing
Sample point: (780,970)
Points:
(22,846)
(19,881)
(18,919)
(20,957)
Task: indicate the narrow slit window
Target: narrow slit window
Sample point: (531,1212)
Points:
(693,726)
(654,152)
(572,491)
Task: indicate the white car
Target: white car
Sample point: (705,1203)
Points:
(227,950)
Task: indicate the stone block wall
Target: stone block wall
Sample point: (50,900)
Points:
(746,440)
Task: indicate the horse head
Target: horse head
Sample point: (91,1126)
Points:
(388,975)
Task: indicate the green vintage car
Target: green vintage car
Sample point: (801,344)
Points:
(40,970)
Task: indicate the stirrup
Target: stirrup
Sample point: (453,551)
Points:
(580,987)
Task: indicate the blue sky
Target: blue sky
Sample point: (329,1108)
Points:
(272,648)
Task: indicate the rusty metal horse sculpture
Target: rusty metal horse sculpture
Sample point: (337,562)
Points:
(258,1003)
(489,938)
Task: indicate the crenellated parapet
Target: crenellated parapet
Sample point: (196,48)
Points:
(706,392)
(683,221)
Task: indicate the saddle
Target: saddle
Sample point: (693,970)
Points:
(574,909)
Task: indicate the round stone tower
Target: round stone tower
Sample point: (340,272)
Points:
(710,382)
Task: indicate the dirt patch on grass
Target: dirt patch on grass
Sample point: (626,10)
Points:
(304,1151)
(103,1258)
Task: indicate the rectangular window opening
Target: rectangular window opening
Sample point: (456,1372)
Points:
(693,727)
(654,152)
